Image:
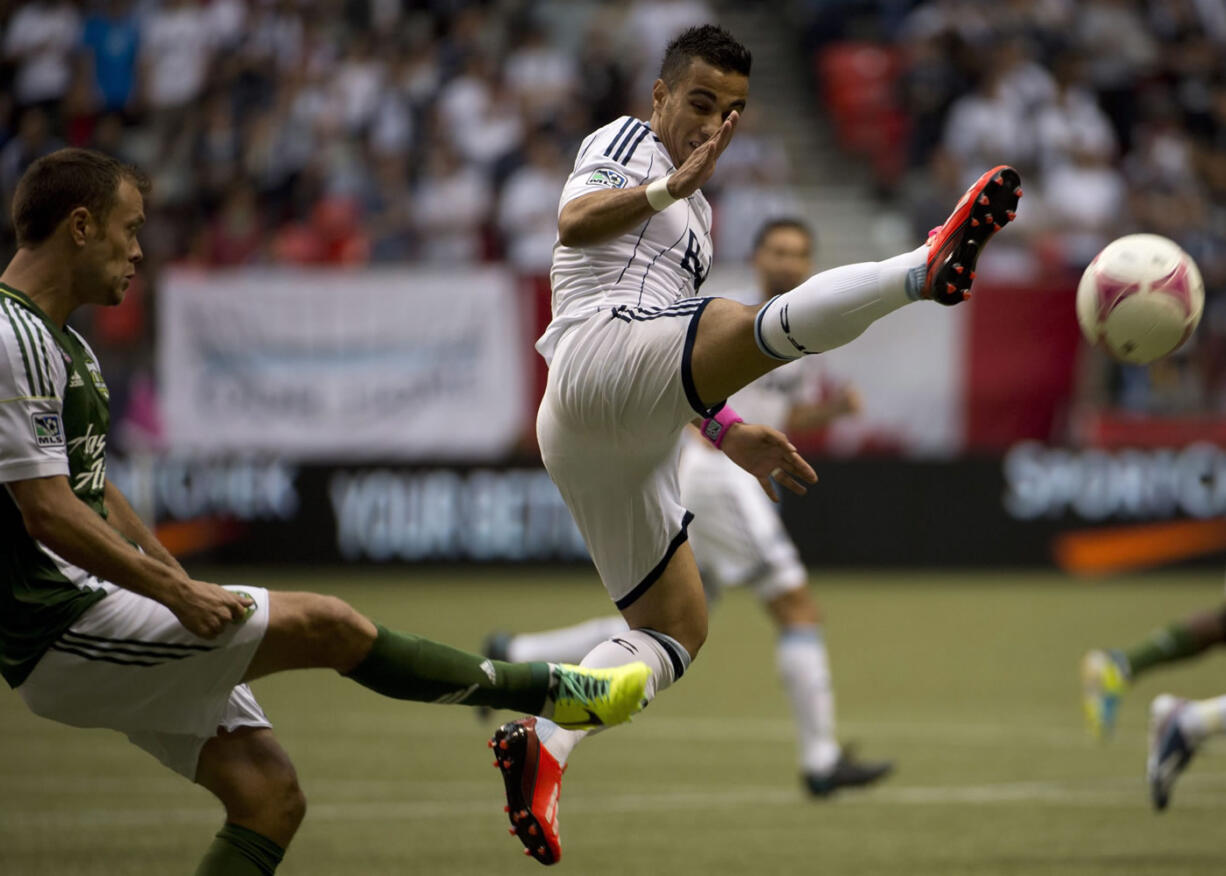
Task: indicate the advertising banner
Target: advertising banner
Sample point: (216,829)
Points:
(1085,511)
(343,365)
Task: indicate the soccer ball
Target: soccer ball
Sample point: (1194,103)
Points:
(1140,298)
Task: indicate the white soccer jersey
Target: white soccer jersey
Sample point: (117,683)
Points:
(32,379)
(664,259)
(53,421)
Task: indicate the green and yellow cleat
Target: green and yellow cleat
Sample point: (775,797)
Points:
(583,698)
(1104,677)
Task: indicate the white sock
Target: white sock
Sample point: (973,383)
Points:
(805,668)
(836,306)
(566,644)
(1203,718)
(663,654)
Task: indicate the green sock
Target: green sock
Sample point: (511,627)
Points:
(237,851)
(1170,643)
(410,667)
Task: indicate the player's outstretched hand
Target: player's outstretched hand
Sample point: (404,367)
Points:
(766,453)
(697,169)
(206,609)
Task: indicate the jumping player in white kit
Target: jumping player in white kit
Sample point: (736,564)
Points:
(634,356)
(739,539)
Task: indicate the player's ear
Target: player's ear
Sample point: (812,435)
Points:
(659,94)
(80,222)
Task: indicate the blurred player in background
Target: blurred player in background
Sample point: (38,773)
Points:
(739,540)
(1177,727)
(99,624)
(634,356)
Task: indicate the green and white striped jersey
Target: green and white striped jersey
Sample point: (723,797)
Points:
(54,417)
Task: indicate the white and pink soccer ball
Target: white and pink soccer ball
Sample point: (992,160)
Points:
(1140,298)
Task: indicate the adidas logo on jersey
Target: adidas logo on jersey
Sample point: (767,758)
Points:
(75,380)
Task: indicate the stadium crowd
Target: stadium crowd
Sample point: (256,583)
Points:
(1113,110)
(321,131)
(369,131)
(332,131)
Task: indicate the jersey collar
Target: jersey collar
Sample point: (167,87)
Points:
(7,291)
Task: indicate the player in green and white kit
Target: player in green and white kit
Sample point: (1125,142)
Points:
(101,627)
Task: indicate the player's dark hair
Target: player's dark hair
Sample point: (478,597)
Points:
(710,43)
(790,222)
(58,183)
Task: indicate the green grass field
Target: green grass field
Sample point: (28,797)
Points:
(968,681)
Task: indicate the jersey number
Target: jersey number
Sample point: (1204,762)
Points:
(692,261)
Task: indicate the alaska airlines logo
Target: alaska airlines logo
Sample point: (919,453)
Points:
(92,451)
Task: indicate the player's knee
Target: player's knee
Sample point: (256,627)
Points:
(336,629)
(283,801)
(699,640)
(260,791)
(693,635)
(795,608)
(293,803)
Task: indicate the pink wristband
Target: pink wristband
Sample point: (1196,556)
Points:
(715,428)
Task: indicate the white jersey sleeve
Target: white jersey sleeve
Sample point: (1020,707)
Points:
(32,379)
(621,155)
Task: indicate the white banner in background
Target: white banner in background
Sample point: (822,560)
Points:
(343,364)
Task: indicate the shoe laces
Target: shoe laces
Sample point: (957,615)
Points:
(580,686)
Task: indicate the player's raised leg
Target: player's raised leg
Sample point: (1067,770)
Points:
(308,630)
(738,343)
(1107,673)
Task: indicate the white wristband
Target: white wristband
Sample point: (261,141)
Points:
(657,194)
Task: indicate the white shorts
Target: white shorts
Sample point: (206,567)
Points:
(620,392)
(129,665)
(737,535)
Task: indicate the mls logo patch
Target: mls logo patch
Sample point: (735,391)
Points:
(48,430)
(608,178)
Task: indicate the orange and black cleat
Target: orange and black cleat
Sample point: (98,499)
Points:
(533,780)
(988,206)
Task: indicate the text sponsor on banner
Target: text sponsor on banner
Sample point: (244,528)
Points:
(342,365)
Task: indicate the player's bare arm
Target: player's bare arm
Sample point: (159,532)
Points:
(767,454)
(121,515)
(54,516)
